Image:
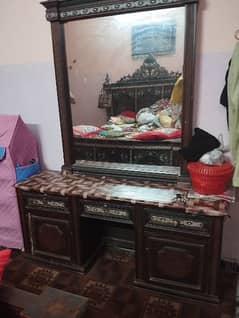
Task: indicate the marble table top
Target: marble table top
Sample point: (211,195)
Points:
(171,195)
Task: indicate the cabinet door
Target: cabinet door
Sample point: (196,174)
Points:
(50,237)
(175,260)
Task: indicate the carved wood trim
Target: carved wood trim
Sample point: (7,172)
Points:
(175,220)
(46,203)
(107,210)
(150,70)
(71,10)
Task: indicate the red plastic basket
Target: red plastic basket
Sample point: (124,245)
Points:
(208,179)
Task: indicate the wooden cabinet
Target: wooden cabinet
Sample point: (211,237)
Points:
(47,228)
(63,230)
(180,253)
(175,252)
(50,237)
(173,259)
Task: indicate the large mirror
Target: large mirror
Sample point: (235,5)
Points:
(127,72)
(110,50)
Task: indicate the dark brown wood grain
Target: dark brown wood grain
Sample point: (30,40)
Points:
(175,252)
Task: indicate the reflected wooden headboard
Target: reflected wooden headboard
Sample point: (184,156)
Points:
(144,87)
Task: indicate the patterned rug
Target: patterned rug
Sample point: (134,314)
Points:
(38,279)
(110,290)
(162,307)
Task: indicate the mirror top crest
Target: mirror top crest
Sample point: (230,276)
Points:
(67,10)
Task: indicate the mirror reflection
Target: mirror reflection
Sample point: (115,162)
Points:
(126,75)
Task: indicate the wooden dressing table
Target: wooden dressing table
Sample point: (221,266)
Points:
(110,190)
(66,219)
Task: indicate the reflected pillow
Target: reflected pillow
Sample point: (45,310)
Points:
(85,130)
(158,134)
(4,258)
(128,113)
(128,117)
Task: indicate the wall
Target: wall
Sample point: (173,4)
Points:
(218,21)
(27,78)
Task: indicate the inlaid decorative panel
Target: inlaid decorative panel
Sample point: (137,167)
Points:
(107,210)
(164,218)
(48,202)
(99,8)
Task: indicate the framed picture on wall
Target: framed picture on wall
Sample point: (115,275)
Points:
(159,38)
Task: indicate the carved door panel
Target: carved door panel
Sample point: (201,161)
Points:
(175,261)
(50,237)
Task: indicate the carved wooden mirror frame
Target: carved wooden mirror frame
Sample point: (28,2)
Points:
(59,12)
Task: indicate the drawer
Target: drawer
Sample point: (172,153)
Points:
(108,211)
(49,202)
(170,219)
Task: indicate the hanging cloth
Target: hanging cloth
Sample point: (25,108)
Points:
(224,97)
(233,108)
(177,93)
